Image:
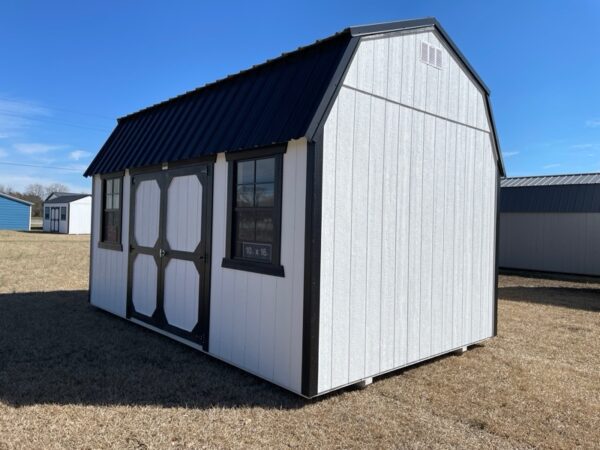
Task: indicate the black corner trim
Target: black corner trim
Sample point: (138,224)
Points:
(312,268)
(331,93)
(256,267)
(110,246)
(257,152)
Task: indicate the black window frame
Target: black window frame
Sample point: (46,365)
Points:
(63,213)
(46,213)
(102,242)
(230,261)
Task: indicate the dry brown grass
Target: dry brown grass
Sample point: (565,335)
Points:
(72,376)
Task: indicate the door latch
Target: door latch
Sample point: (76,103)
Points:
(162,253)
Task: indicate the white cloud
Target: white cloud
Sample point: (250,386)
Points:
(550,166)
(509,154)
(15,115)
(581,146)
(35,148)
(592,123)
(78,154)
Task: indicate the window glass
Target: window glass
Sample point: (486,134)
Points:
(46,213)
(253,215)
(265,170)
(111,215)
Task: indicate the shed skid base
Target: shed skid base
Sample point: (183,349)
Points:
(461,350)
(362,384)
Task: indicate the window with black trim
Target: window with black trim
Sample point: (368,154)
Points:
(254,212)
(63,213)
(46,213)
(111,212)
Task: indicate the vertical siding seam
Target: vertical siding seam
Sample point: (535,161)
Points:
(335,150)
(381,239)
(432,239)
(411,115)
(366,294)
(351,200)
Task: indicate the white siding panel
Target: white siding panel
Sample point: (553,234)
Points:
(147,207)
(388,247)
(108,284)
(407,225)
(327,249)
(374,236)
(256,320)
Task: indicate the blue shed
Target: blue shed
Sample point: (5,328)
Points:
(15,214)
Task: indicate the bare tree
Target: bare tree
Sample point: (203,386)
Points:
(56,187)
(35,189)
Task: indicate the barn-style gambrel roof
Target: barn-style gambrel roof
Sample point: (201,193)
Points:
(280,100)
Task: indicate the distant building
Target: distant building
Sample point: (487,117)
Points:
(68,213)
(551,224)
(15,214)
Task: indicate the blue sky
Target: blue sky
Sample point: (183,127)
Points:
(69,69)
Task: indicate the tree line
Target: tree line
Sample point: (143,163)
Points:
(35,193)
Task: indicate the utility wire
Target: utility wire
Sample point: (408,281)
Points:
(60,109)
(40,166)
(54,122)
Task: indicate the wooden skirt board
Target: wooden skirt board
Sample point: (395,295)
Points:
(169,255)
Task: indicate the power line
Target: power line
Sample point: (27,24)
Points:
(40,166)
(53,122)
(62,109)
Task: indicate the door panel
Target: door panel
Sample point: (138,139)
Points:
(184,213)
(145,287)
(182,290)
(147,208)
(169,262)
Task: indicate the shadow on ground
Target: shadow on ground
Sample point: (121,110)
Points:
(577,298)
(56,348)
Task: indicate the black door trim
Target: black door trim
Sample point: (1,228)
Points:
(201,256)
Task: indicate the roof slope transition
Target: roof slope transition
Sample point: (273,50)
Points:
(66,198)
(271,103)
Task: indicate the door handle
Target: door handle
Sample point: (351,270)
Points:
(162,253)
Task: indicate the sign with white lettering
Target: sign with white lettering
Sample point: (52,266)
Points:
(257,250)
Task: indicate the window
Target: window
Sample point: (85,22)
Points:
(254,211)
(63,213)
(111,213)
(46,213)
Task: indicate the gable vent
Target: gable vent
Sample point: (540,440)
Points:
(431,55)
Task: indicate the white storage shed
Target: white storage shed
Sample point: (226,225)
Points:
(68,213)
(317,220)
(551,224)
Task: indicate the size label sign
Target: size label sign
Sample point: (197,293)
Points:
(256,250)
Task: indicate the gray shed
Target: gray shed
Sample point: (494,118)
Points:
(551,224)
(317,220)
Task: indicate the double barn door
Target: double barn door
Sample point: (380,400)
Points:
(169,259)
(55,219)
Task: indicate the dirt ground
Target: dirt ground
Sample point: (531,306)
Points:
(72,376)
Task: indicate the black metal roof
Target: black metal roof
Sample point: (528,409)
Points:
(560,198)
(552,180)
(66,198)
(272,103)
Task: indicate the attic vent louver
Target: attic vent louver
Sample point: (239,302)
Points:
(431,55)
